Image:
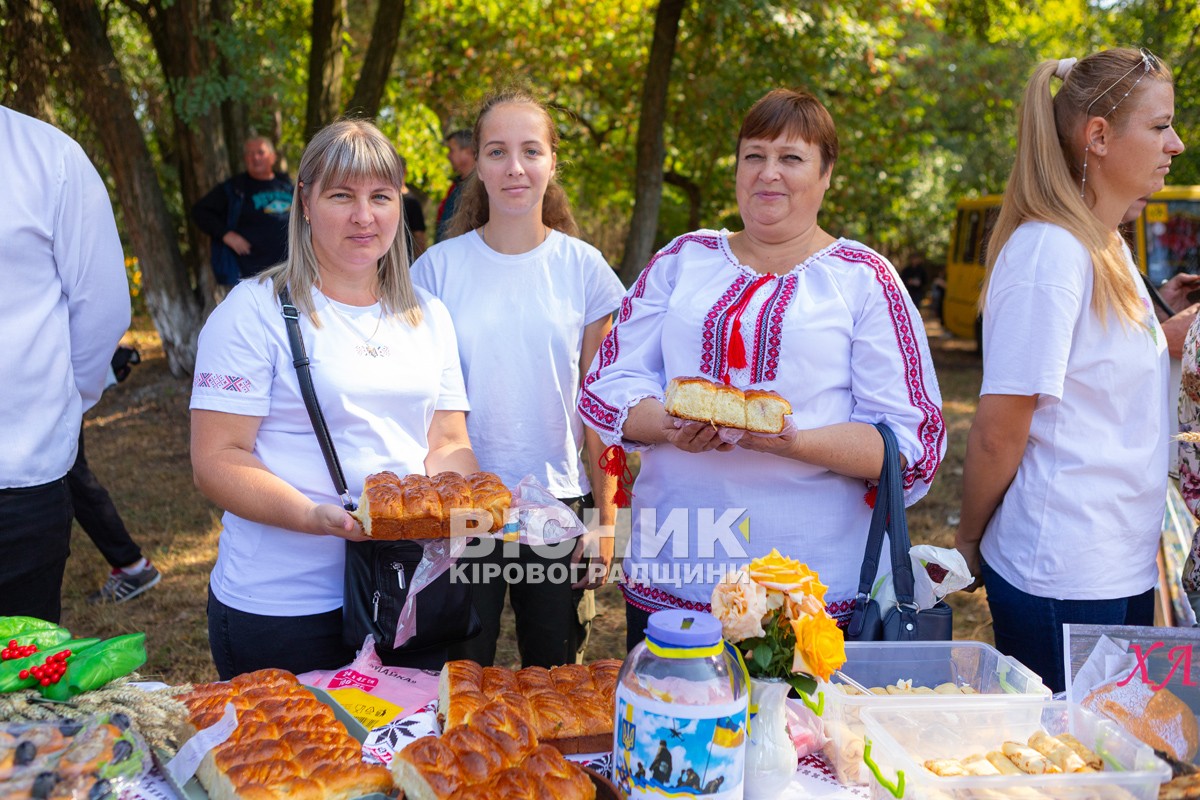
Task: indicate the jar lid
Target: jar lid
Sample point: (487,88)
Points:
(681,628)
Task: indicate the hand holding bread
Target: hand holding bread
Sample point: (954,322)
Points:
(720,405)
(420,507)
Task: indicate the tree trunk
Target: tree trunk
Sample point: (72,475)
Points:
(692,189)
(106,100)
(651,150)
(26,52)
(377,65)
(325,63)
(175,27)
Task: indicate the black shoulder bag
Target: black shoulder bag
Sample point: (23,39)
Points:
(904,622)
(378,573)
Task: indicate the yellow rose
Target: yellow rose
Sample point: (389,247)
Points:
(800,605)
(820,646)
(776,571)
(740,604)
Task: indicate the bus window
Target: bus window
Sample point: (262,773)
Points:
(989,222)
(1172,238)
(969,239)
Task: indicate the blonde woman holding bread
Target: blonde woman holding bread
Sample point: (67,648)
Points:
(780,305)
(531,303)
(1066,467)
(386,373)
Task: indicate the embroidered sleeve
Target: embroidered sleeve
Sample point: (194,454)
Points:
(234,366)
(628,367)
(1189,421)
(892,375)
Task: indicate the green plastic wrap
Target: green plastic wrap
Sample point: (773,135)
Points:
(98,665)
(43,638)
(10,678)
(11,627)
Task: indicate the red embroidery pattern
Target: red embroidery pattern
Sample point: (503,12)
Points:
(768,331)
(228,383)
(591,406)
(931,431)
(714,336)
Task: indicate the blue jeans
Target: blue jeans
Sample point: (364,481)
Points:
(1030,628)
(244,642)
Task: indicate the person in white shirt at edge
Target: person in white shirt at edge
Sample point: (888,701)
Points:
(531,304)
(386,373)
(64,308)
(1066,467)
(784,305)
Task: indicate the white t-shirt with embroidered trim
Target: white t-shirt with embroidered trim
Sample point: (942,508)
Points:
(1082,518)
(378,410)
(837,336)
(520,321)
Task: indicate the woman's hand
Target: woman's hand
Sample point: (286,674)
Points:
(970,553)
(693,437)
(1175,291)
(594,552)
(779,444)
(331,520)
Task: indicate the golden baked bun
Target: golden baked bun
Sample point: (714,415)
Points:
(418,507)
(1158,718)
(702,400)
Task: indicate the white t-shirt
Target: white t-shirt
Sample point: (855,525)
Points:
(520,321)
(837,336)
(378,410)
(65,297)
(1082,518)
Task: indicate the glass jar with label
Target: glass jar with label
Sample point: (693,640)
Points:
(681,705)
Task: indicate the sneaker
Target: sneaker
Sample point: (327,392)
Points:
(121,587)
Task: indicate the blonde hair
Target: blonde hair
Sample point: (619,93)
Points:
(346,150)
(473,211)
(1047,174)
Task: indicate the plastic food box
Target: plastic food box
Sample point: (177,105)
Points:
(901,738)
(994,676)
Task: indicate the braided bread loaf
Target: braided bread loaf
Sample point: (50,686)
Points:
(496,755)
(419,507)
(570,707)
(287,743)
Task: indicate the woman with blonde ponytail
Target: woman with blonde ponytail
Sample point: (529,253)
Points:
(1066,464)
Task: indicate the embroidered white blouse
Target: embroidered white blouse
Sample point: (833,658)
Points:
(837,336)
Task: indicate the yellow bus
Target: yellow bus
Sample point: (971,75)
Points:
(1165,240)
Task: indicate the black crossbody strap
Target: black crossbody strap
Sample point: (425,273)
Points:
(888,517)
(291,316)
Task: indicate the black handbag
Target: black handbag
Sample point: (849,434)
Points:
(904,622)
(378,574)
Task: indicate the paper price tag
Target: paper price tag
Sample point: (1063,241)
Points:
(183,766)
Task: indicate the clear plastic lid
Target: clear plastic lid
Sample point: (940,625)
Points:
(684,660)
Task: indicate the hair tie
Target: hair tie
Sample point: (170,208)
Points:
(1064,67)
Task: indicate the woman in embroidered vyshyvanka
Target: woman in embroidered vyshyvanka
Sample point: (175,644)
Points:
(1066,467)
(386,372)
(781,305)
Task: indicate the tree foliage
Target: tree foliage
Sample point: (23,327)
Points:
(924,93)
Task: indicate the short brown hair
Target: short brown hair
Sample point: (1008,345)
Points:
(788,112)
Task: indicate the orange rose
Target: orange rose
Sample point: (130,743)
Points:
(820,646)
(787,575)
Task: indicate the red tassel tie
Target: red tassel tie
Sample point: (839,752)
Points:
(614,462)
(870,496)
(736,352)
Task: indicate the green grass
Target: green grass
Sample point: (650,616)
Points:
(137,440)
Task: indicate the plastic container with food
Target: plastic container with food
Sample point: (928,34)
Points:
(906,743)
(924,672)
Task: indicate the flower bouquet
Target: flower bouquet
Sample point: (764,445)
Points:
(773,611)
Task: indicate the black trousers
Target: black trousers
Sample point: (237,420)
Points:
(35,541)
(549,632)
(636,621)
(98,516)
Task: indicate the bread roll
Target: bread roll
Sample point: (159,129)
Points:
(286,744)
(1158,718)
(418,507)
(702,400)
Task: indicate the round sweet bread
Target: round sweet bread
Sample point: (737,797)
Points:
(1159,718)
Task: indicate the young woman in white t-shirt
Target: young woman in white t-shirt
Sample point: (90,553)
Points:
(531,304)
(1066,463)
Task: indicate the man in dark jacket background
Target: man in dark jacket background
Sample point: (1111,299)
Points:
(262,198)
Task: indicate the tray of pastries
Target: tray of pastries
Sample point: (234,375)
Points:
(287,744)
(421,507)
(570,707)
